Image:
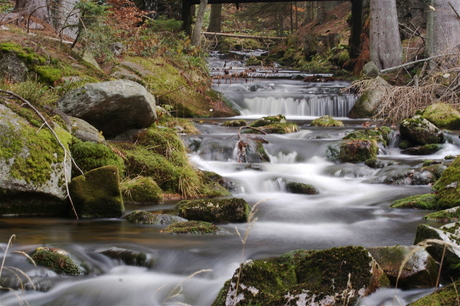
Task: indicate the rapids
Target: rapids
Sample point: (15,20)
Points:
(192,269)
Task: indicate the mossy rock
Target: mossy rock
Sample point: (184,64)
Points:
(213,185)
(97,193)
(129,257)
(215,210)
(420,131)
(444,296)
(192,227)
(57,260)
(146,217)
(301,188)
(141,190)
(268,120)
(326,121)
(91,155)
(447,215)
(335,276)
(274,128)
(419,269)
(235,123)
(427,149)
(448,187)
(420,201)
(355,151)
(443,115)
(381,135)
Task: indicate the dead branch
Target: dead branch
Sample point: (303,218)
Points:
(416,62)
(453,8)
(66,152)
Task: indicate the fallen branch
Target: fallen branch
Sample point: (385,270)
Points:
(416,62)
(453,8)
(45,122)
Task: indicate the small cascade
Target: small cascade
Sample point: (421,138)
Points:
(312,105)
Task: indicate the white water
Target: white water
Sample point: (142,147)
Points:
(347,211)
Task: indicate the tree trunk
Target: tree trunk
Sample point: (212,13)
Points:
(196,35)
(321,12)
(443,27)
(385,42)
(215,20)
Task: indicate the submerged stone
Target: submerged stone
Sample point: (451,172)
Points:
(192,227)
(146,217)
(301,188)
(129,257)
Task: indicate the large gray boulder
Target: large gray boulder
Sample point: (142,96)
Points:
(32,167)
(369,101)
(112,107)
(419,131)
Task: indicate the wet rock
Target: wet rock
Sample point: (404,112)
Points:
(97,194)
(397,175)
(420,201)
(215,185)
(215,210)
(146,217)
(326,121)
(368,102)
(442,115)
(193,227)
(355,151)
(301,188)
(380,135)
(57,260)
(112,107)
(435,240)
(129,257)
(420,131)
(419,269)
(427,149)
(371,70)
(447,187)
(447,295)
(141,190)
(267,120)
(335,276)
(447,215)
(235,123)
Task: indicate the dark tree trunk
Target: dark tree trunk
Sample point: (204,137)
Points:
(215,20)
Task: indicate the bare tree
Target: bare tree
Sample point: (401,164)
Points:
(196,34)
(385,42)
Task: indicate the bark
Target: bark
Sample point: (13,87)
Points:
(215,20)
(385,42)
(443,27)
(38,8)
(196,35)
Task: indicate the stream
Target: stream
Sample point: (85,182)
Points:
(191,269)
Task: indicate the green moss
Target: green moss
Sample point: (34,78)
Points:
(129,257)
(274,128)
(442,115)
(215,210)
(141,190)
(91,155)
(268,120)
(447,216)
(48,74)
(326,121)
(356,151)
(235,123)
(447,295)
(213,185)
(448,186)
(191,227)
(56,261)
(301,188)
(378,134)
(421,201)
(26,54)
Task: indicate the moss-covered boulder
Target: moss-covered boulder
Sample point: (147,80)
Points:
(447,215)
(301,188)
(129,257)
(235,123)
(146,217)
(447,295)
(420,131)
(214,185)
(193,227)
(274,128)
(398,175)
(443,115)
(84,131)
(215,210)
(443,245)
(32,164)
(368,102)
(268,120)
(380,134)
(57,260)
(326,121)
(420,201)
(427,149)
(335,276)
(356,151)
(419,269)
(97,194)
(141,190)
(448,187)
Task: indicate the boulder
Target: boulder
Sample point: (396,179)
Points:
(368,102)
(32,165)
(146,217)
(397,175)
(301,188)
(193,227)
(97,193)
(371,70)
(355,151)
(427,149)
(380,134)
(57,260)
(447,215)
(85,131)
(129,257)
(448,187)
(447,295)
(443,115)
(112,107)
(442,244)
(215,210)
(326,121)
(267,120)
(420,201)
(12,67)
(235,123)
(337,276)
(141,190)
(420,131)
(419,269)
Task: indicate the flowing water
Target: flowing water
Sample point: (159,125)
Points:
(192,269)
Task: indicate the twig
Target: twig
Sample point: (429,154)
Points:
(456,13)
(416,62)
(57,139)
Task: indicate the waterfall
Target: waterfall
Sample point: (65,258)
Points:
(311,105)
